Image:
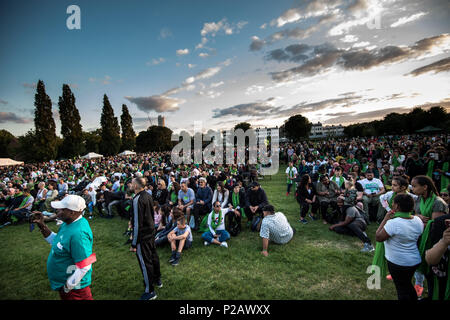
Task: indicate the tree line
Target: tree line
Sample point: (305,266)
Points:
(42,143)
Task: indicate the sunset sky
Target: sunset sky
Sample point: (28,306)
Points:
(224,62)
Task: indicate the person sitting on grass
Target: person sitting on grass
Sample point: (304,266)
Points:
(186,200)
(274,227)
(306,197)
(353,225)
(24,209)
(216,227)
(179,238)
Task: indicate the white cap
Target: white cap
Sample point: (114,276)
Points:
(71,202)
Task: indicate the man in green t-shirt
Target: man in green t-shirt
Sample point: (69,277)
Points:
(69,264)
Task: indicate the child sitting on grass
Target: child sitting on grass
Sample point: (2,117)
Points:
(179,238)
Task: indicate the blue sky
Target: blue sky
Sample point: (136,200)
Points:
(222,62)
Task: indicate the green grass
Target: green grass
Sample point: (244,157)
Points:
(316,265)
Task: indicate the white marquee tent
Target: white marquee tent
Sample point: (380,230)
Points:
(91,155)
(127,153)
(9,162)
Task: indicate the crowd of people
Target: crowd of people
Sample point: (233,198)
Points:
(348,183)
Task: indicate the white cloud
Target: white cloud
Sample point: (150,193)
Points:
(216,84)
(263,26)
(190,66)
(361,44)
(349,38)
(155,62)
(181,52)
(203,55)
(405,20)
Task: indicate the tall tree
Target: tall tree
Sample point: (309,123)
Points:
(6,138)
(128,134)
(71,128)
(154,139)
(297,127)
(45,128)
(92,140)
(110,144)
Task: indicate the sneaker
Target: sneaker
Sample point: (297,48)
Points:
(303,221)
(158,283)
(206,243)
(176,261)
(149,296)
(173,257)
(367,248)
(312,217)
(389,277)
(224,244)
(419,290)
(4,225)
(287,194)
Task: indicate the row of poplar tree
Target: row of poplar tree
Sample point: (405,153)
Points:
(46,144)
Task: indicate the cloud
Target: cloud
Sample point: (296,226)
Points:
(213,28)
(155,62)
(317,59)
(165,33)
(3,102)
(352,117)
(349,38)
(157,103)
(190,66)
(435,67)
(105,80)
(6,117)
(29,85)
(256,44)
(315,8)
(210,93)
(245,110)
(216,84)
(203,55)
(182,52)
(405,20)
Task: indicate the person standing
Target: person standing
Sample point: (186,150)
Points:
(400,250)
(69,264)
(142,221)
(291,175)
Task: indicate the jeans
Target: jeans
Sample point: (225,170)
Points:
(113,203)
(402,277)
(223,236)
(304,208)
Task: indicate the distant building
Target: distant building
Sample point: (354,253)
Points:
(161,121)
(319,131)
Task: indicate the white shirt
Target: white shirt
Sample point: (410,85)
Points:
(401,247)
(294,171)
(276,227)
(371,186)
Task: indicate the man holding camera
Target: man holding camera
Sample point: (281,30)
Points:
(69,264)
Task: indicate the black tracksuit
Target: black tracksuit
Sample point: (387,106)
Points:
(142,220)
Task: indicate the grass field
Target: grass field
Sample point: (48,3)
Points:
(316,265)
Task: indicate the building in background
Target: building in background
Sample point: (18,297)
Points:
(319,131)
(161,121)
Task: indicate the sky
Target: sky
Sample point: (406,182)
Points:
(225,62)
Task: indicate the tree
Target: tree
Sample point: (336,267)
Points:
(92,140)
(243,125)
(45,128)
(6,139)
(128,134)
(297,127)
(27,149)
(154,139)
(71,128)
(110,144)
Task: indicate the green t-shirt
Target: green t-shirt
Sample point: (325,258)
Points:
(72,244)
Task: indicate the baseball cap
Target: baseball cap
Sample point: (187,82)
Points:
(71,202)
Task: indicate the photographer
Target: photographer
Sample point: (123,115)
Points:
(69,265)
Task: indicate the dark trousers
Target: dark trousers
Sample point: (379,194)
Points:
(328,217)
(289,187)
(231,219)
(149,263)
(356,228)
(304,208)
(250,214)
(199,211)
(402,277)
